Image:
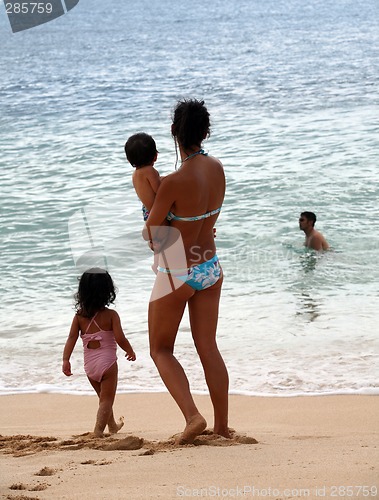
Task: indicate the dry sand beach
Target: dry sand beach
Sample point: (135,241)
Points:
(308,447)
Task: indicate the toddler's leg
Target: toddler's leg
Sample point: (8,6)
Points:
(106,395)
(113,426)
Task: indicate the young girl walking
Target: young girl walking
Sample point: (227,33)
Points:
(100,330)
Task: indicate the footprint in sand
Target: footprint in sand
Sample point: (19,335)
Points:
(22,497)
(246,440)
(21,486)
(46,471)
(208,438)
(18,486)
(129,443)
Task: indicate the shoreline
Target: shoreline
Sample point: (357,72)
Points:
(311,443)
(358,392)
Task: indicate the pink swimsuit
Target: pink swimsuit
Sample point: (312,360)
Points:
(98,361)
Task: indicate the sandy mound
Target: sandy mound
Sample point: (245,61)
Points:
(21,445)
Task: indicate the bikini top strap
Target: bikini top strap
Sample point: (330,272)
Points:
(90,323)
(96,324)
(172,216)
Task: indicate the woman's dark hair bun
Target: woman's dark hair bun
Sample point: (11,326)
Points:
(191,122)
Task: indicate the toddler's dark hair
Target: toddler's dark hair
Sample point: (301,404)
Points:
(96,290)
(191,123)
(140,150)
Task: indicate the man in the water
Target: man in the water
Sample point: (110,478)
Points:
(313,239)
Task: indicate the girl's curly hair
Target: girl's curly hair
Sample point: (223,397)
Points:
(96,290)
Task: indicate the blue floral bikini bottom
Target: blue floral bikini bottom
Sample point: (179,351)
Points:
(197,277)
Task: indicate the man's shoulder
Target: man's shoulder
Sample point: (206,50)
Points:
(317,241)
(320,237)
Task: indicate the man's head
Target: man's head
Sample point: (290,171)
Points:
(307,220)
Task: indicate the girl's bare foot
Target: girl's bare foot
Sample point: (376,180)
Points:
(98,434)
(194,427)
(114,428)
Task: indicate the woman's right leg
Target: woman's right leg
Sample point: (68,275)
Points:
(203,310)
(165,314)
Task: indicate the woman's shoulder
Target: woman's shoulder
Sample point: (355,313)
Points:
(216,162)
(171,176)
(170,179)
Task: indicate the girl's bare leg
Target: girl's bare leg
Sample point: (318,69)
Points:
(106,390)
(165,315)
(113,426)
(203,310)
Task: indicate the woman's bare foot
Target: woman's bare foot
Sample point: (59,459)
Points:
(194,427)
(114,428)
(224,432)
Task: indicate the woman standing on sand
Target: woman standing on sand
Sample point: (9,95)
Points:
(192,197)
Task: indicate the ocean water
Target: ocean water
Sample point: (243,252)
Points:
(292,88)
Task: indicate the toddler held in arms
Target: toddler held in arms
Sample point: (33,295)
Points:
(141,152)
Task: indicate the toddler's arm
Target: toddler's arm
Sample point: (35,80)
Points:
(69,346)
(121,340)
(154,180)
(146,182)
